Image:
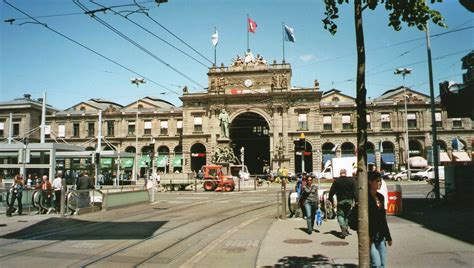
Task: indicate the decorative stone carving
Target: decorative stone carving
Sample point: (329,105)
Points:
(224,155)
(284,81)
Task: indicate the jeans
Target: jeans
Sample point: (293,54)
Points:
(310,208)
(343,208)
(378,253)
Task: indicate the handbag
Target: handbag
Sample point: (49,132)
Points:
(352,218)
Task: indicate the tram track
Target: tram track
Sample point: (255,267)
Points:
(176,248)
(182,208)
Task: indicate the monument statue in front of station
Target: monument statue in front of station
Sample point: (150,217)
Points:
(224,123)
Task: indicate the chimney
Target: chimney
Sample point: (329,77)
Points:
(27,96)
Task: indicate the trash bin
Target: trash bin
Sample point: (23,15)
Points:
(394,206)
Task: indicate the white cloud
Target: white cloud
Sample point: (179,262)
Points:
(307,57)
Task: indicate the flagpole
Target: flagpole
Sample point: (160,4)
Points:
(215,50)
(283,39)
(247,26)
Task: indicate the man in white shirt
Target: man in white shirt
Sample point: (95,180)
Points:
(57,184)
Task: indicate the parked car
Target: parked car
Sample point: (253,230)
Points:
(401,176)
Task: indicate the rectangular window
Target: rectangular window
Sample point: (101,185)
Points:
(16,129)
(75,130)
(346,122)
(385,118)
(327,122)
(303,122)
(61,131)
(369,126)
(110,128)
(457,123)
(438,121)
(90,129)
(131,127)
(2,129)
(47,131)
(147,128)
(198,124)
(179,127)
(163,127)
(411,119)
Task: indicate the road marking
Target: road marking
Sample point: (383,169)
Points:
(193,197)
(252,201)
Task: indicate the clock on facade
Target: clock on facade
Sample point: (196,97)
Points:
(248,82)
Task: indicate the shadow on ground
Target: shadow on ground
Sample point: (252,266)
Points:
(315,260)
(452,220)
(74,229)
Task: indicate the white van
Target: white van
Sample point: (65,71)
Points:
(428,173)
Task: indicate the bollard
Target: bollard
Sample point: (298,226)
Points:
(239,183)
(195,185)
(254,184)
(283,203)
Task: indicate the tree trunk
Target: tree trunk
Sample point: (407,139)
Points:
(362,191)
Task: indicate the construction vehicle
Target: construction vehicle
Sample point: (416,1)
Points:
(215,179)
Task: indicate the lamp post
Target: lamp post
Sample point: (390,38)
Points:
(137,81)
(303,148)
(404,72)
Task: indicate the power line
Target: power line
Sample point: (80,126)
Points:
(148,31)
(116,31)
(89,49)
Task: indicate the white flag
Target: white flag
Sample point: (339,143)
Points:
(215,38)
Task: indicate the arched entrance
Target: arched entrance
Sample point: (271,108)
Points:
(308,159)
(347,149)
(387,156)
(250,130)
(198,156)
(415,148)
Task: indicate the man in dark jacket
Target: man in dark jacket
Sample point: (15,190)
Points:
(83,184)
(344,189)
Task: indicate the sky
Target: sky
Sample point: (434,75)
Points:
(34,59)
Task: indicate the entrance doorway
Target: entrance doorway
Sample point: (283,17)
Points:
(198,156)
(250,130)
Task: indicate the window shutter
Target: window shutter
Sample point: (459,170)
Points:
(302,117)
(180,124)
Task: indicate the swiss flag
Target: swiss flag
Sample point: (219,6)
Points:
(252,25)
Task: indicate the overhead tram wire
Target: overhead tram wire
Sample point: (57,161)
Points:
(113,29)
(148,31)
(90,49)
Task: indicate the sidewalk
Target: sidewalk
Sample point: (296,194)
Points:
(415,244)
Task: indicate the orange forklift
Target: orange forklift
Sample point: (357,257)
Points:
(216,180)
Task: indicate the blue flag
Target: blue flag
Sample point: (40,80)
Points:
(289,34)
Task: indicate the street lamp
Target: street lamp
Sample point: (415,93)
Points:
(404,72)
(137,81)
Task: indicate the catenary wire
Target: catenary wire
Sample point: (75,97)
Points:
(116,31)
(90,49)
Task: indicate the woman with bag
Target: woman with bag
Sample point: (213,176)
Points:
(309,194)
(16,194)
(379,233)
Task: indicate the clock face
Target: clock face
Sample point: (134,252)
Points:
(248,83)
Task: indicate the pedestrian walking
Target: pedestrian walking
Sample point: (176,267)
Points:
(309,194)
(344,189)
(57,185)
(379,232)
(16,192)
(84,183)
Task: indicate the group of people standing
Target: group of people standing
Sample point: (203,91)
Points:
(344,189)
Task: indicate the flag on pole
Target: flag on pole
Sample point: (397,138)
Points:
(252,27)
(457,145)
(289,34)
(215,38)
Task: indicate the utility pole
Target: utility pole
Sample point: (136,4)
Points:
(434,144)
(137,81)
(404,72)
(43,119)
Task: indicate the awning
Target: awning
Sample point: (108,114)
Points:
(177,161)
(461,157)
(418,162)
(327,157)
(106,162)
(388,158)
(161,161)
(126,162)
(370,158)
(144,160)
(444,157)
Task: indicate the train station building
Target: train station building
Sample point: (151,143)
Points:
(265,114)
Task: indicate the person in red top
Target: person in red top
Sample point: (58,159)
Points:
(46,192)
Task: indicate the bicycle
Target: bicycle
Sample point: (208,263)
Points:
(448,197)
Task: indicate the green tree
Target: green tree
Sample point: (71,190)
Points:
(413,13)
